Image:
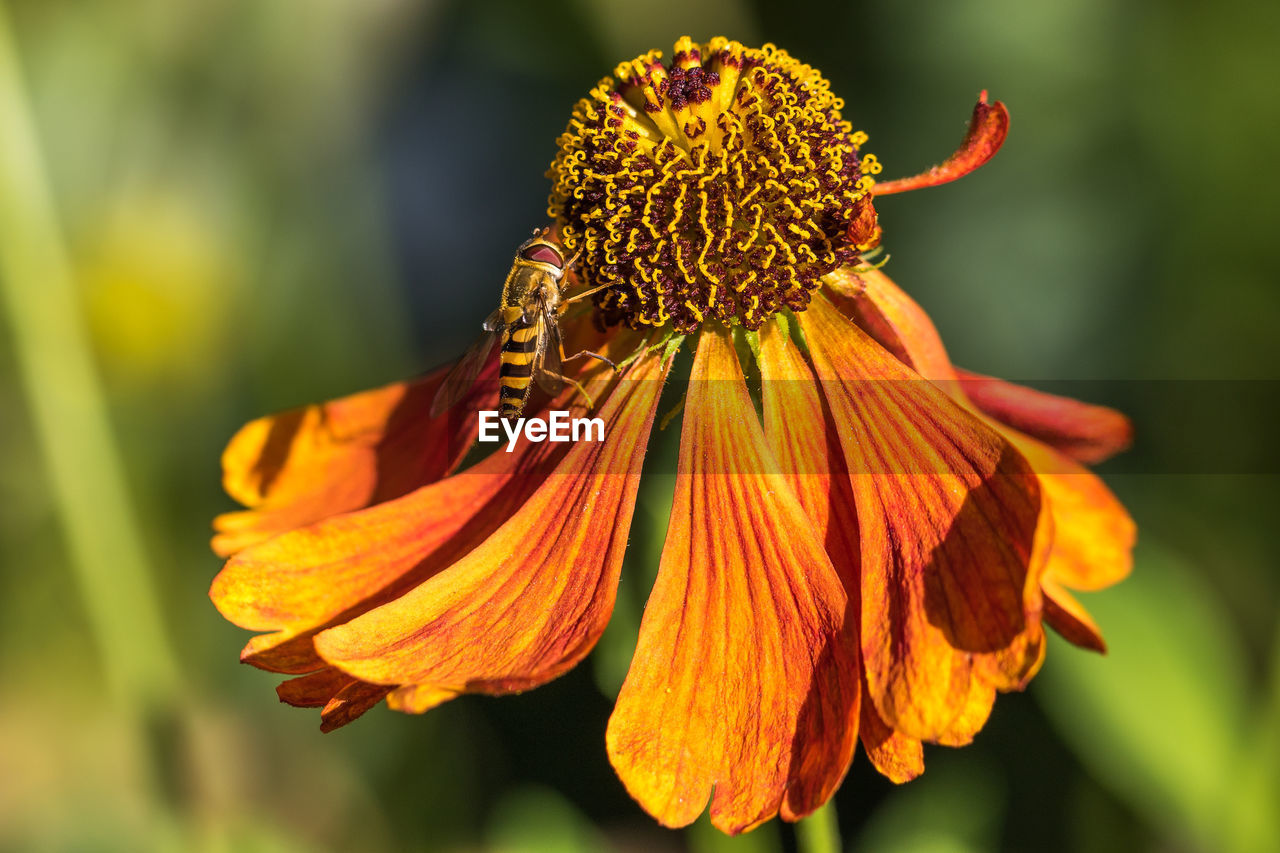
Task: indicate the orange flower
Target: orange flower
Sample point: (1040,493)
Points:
(868,557)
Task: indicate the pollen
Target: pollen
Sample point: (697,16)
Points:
(722,185)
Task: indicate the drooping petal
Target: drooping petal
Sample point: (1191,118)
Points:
(988,127)
(306,464)
(1093,533)
(947,513)
(1083,431)
(304,580)
(898,757)
(743,680)
(1065,615)
(349,703)
(530,601)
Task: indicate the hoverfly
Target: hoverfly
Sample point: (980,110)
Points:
(527,323)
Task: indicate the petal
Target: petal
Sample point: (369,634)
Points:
(947,512)
(311,463)
(301,581)
(352,701)
(1093,533)
(532,599)
(1083,431)
(314,690)
(1065,615)
(988,127)
(744,679)
(894,320)
(899,758)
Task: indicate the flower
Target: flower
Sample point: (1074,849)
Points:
(870,559)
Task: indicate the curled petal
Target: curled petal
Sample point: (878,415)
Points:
(315,689)
(350,702)
(988,127)
(947,514)
(303,465)
(531,599)
(1065,615)
(1085,432)
(744,679)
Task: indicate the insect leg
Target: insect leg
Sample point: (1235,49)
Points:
(586,352)
(584,294)
(575,383)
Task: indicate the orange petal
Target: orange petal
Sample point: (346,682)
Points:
(988,127)
(351,702)
(1083,431)
(341,697)
(1093,533)
(307,464)
(530,601)
(947,512)
(807,449)
(302,580)
(899,758)
(973,716)
(744,679)
(315,689)
(894,320)
(1065,615)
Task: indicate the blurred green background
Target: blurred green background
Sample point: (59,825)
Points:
(213,209)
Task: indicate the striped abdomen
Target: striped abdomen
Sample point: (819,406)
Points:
(519,351)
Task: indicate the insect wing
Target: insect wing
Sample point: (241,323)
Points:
(547,369)
(459,380)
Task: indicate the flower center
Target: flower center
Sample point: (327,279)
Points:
(720,189)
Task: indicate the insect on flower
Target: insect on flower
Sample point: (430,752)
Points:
(528,323)
(867,560)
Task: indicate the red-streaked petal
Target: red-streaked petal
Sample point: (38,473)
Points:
(307,464)
(532,599)
(947,512)
(741,680)
(1083,431)
(988,127)
(895,320)
(301,581)
(808,453)
(1065,615)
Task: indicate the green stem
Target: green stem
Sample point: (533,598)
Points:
(820,831)
(67,405)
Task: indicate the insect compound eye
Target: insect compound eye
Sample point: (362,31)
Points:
(543,253)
